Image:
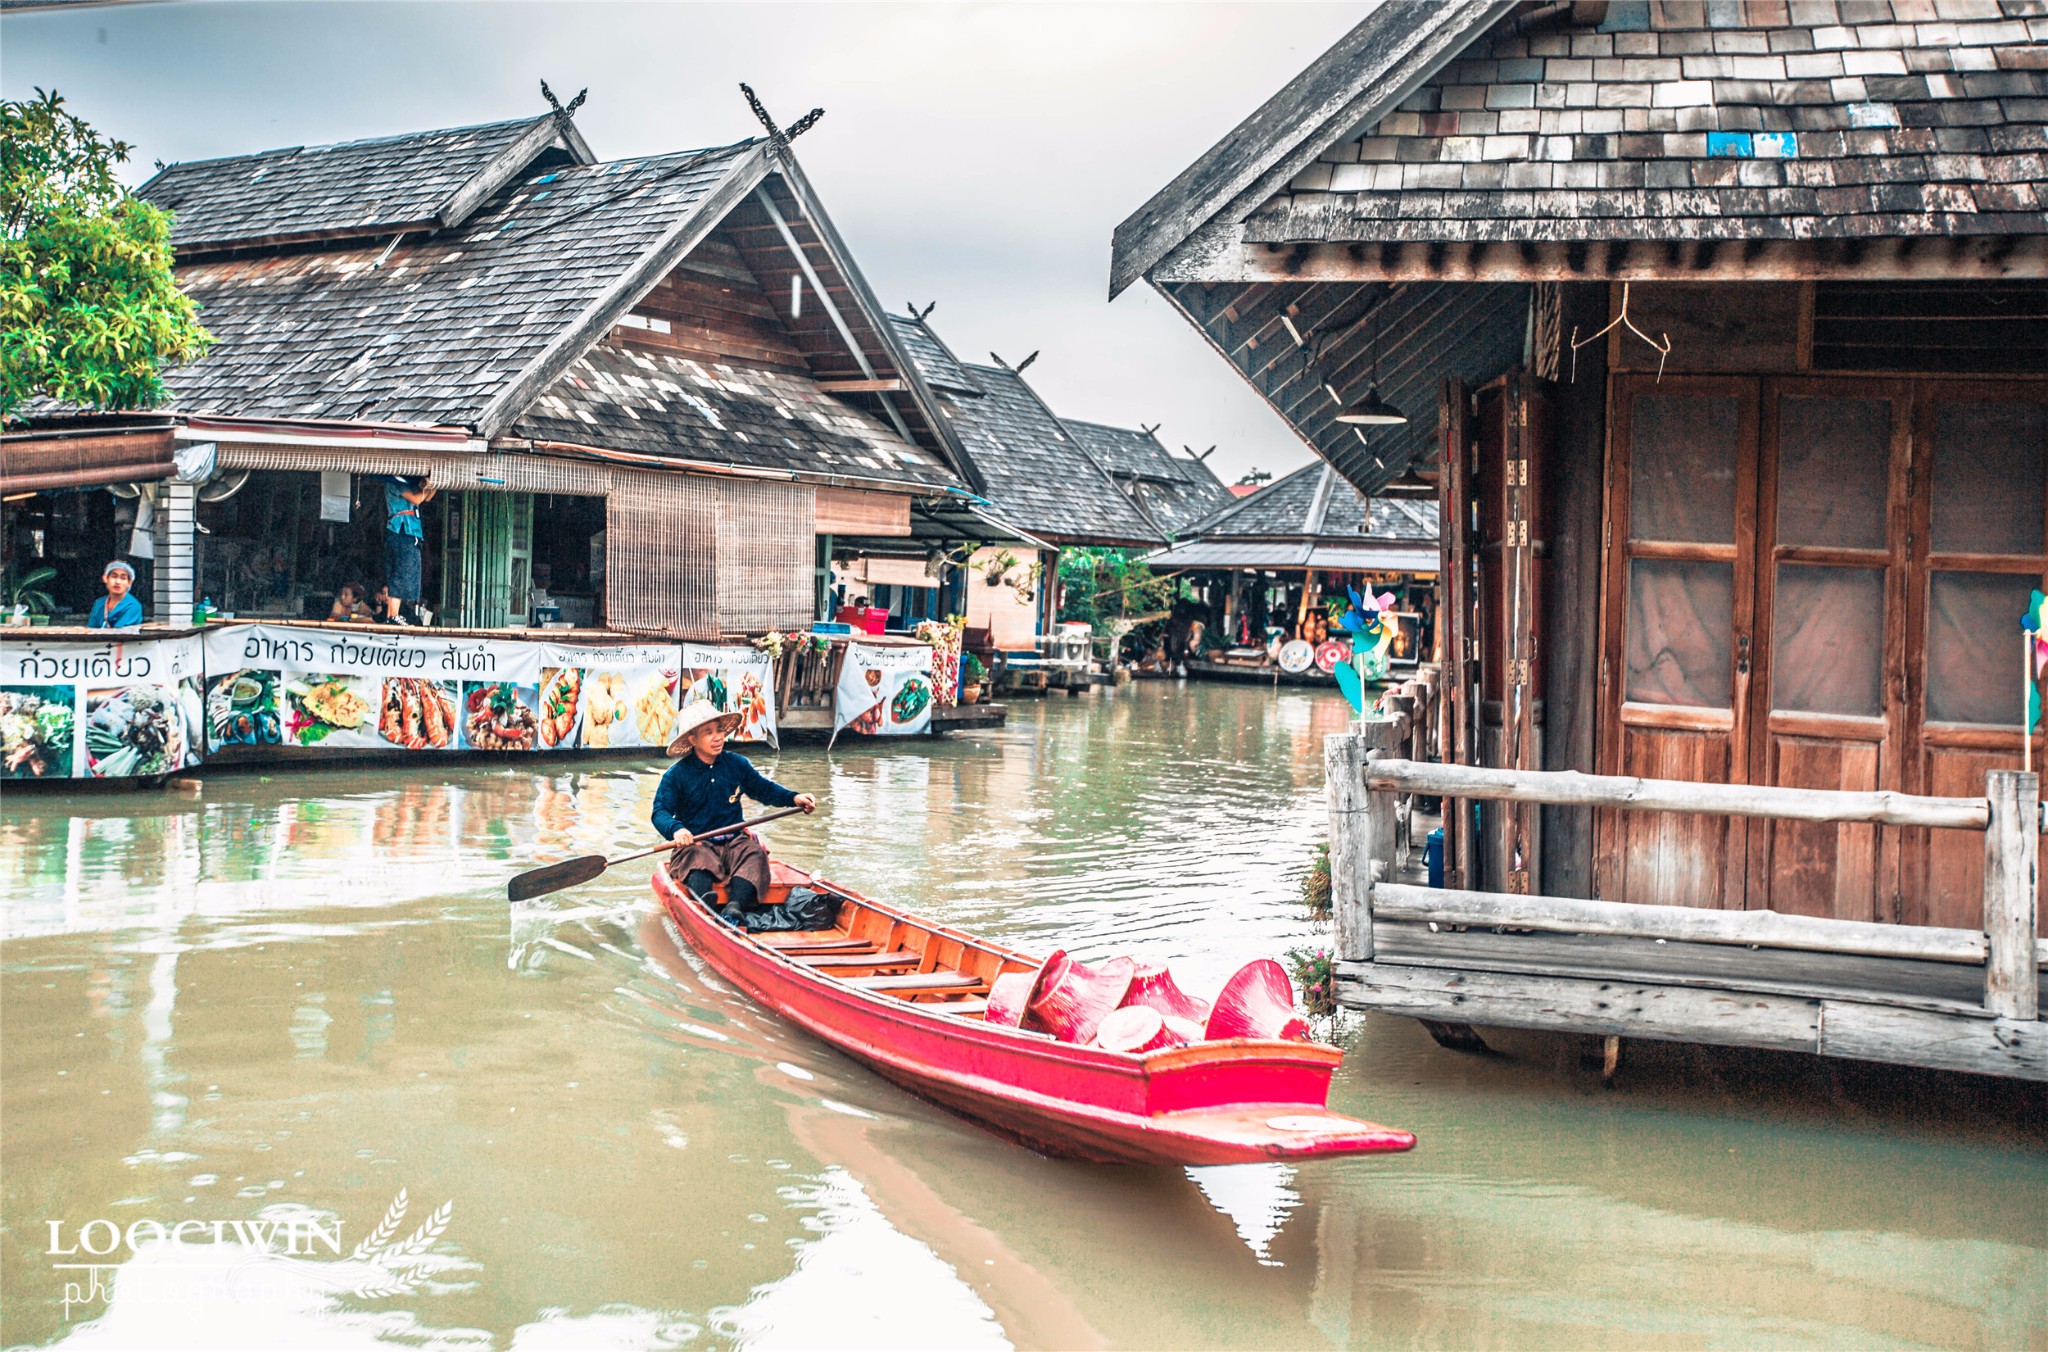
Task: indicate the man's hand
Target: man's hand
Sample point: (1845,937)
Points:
(683,838)
(807,801)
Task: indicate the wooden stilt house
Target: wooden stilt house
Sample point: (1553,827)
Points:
(1267,565)
(1723,331)
(654,389)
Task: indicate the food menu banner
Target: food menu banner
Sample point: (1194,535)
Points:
(607,697)
(734,680)
(269,685)
(886,692)
(115,710)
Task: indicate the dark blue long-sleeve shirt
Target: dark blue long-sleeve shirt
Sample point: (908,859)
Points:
(700,797)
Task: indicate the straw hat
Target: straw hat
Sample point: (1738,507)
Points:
(694,716)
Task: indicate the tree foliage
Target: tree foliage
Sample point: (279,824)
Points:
(1100,585)
(90,313)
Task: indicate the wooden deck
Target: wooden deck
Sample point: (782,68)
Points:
(1944,998)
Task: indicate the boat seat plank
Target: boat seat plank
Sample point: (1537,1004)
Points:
(966,1009)
(901,957)
(848,946)
(918,983)
(809,939)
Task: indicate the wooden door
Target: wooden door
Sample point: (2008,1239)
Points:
(1676,656)
(1828,706)
(1816,583)
(1980,547)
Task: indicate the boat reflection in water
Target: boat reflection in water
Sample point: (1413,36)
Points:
(300,994)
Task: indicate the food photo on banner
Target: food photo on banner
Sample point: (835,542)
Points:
(100,710)
(733,680)
(273,685)
(883,691)
(601,698)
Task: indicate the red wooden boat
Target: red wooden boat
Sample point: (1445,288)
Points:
(906,997)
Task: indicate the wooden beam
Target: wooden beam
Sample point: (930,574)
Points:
(1838,1028)
(767,202)
(2011,852)
(1663,795)
(1946,258)
(1671,1013)
(2013,1047)
(1692,924)
(880,385)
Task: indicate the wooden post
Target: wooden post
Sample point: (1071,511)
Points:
(1402,706)
(2011,866)
(1350,864)
(1361,831)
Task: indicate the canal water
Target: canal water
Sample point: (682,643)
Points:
(300,997)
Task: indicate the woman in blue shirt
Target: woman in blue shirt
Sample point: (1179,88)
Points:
(117,609)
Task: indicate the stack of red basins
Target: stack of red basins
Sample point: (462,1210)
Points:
(1126,1006)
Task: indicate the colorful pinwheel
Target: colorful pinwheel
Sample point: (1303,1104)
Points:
(1371,635)
(2034,624)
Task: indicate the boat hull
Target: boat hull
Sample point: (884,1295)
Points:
(1212,1103)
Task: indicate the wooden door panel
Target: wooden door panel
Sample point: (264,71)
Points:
(1947,888)
(1813,868)
(1675,858)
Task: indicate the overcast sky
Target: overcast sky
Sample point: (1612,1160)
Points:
(976,155)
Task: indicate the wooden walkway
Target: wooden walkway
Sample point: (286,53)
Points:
(1944,998)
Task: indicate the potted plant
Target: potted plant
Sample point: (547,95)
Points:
(972,675)
(993,570)
(27,599)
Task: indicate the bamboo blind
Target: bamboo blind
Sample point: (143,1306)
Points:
(765,548)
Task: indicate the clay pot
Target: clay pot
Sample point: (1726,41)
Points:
(1258,1002)
(1007,995)
(1153,987)
(1136,1029)
(1070,997)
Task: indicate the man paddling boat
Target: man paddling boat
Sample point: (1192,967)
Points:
(702,792)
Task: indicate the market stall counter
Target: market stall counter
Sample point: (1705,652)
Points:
(147,703)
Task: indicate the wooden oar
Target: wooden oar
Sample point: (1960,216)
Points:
(554,877)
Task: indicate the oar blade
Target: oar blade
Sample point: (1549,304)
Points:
(553,878)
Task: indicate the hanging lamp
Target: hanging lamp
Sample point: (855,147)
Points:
(1372,411)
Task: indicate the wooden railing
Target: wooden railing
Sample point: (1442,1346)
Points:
(1366,782)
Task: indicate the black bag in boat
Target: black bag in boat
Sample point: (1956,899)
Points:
(804,909)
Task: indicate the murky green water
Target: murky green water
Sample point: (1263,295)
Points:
(292,998)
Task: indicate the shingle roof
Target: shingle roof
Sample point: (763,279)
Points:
(433,332)
(1037,473)
(1460,123)
(1362,75)
(353,188)
(942,371)
(1315,502)
(666,404)
(1174,490)
(1927,118)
